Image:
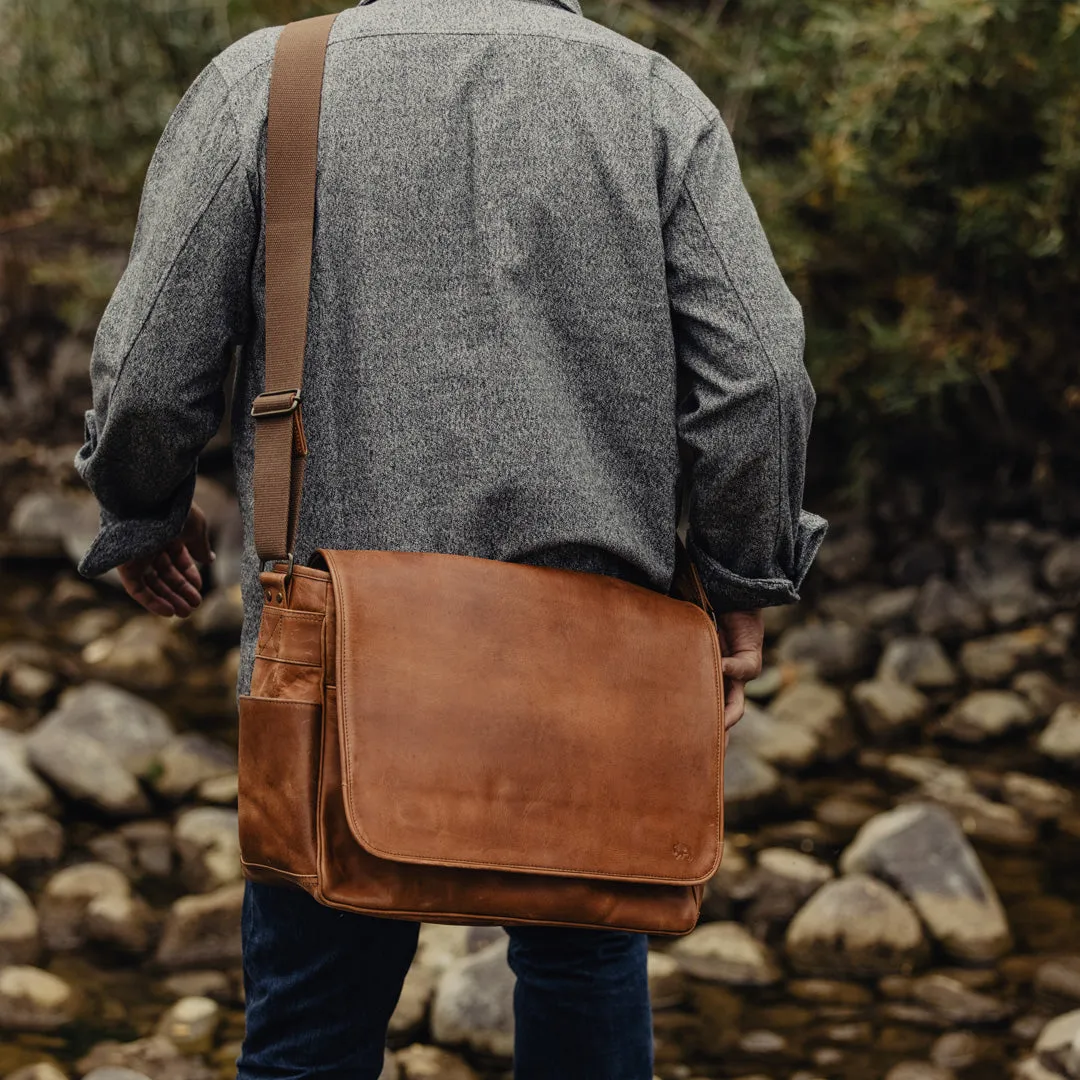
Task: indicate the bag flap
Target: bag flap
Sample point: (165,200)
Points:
(495,715)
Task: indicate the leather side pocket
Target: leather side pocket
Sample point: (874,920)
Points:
(278,750)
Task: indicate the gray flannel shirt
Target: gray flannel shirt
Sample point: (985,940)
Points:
(541,302)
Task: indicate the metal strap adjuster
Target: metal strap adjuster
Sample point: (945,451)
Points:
(276,403)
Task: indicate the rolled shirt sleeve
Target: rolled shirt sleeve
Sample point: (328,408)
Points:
(745,399)
(162,350)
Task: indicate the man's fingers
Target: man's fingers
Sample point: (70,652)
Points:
(734,703)
(187,566)
(147,599)
(171,574)
(742,666)
(163,591)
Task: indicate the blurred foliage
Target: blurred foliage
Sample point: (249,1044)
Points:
(916,164)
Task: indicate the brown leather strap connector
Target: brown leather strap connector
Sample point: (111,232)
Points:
(276,403)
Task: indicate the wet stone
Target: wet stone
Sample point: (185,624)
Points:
(834,648)
(919,1070)
(920,849)
(19,942)
(20,787)
(987,714)
(35,836)
(782,743)
(419,1062)
(855,925)
(34,1000)
(956,1050)
(68,896)
(887,706)
(957,1004)
(1034,797)
(474,1003)
(1060,976)
(948,611)
(821,710)
(203,930)
(190,1024)
(189,759)
(208,843)
(155,1056)
(725,952)
(412,1007)
(667,986)
(1060,739)
(919,661)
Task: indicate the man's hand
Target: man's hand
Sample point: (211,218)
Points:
(168,583)
(742,638)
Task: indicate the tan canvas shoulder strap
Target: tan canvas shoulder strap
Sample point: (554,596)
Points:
(291,154)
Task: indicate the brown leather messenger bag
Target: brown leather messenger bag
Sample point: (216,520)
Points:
(448,738)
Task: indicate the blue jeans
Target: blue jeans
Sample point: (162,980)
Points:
(321,986)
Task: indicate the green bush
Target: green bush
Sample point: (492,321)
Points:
(916,164)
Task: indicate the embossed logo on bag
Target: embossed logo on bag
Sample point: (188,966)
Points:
(681,852)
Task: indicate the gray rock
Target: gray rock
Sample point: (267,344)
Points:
(412,1006)
(957,1003)
(43,1070)
(834,648)
(35,836)
(418,1062)
(1040,691)
(27,672)
(779,742)
(821,710)
(140,654)
(92,901)
(725,952)
(20,787)
(855,925)
(919,1070)
(149,845)
(987,714)
(957,1050)
(207,841)
(34,1000)
(220,790)
(918,661)
(19,929)
(1002,579)
(1057,1049)
(994,659)
(784,880)
(749,783)
(115,1072)
(1060,976)
(211,984)
(1060,739)
(1034,797)
(133,731)
(203,930)
(888,707)
(667,985)
(944,610)
(155,1057)
(220,614)
(981,818)
(55,522)
(473,1003)
(187,760)
(921,850)
(1061,567)
(84,770)
(190,1024)
(768,683)
(891,608)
